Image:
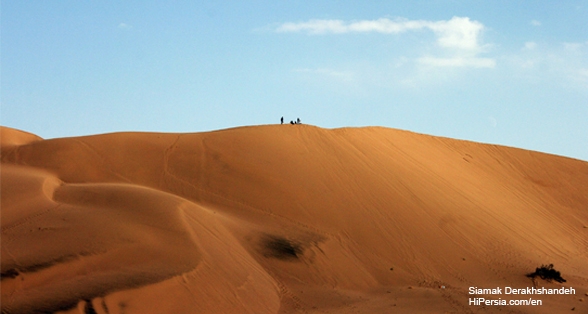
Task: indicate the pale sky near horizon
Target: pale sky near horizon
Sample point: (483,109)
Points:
(512,73)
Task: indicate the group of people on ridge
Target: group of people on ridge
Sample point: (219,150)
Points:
(291,121)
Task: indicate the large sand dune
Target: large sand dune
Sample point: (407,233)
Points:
(285,219)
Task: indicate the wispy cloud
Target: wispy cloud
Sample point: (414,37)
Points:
(124,26)
(535,23)
(459,32)
(493,121)
(575,47)
(577,52)
(530,45)
(460,35)
(565,64)
(458,62)
(346,76)
(383,25)
(581,76)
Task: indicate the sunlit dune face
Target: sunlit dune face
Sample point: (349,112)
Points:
(284,219)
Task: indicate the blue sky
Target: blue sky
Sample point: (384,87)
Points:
(512,73)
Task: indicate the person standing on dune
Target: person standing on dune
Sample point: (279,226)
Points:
(282,120)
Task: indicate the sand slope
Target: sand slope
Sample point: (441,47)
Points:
(284,219)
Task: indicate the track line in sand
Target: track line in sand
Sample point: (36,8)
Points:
(183,281)
(231,200)
(27,219)
(166,153)
(104,161)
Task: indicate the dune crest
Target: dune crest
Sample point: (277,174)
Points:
(283,219)
(14,137)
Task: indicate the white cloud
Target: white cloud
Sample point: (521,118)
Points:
(386,26)
(460,35)
(124,26)
(383,25)
(535,23)
(314,27)
(459,32)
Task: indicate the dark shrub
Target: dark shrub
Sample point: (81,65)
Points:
(546,273)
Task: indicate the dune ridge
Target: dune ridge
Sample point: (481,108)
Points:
(283,219)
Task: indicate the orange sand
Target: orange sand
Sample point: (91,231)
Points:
(285,219)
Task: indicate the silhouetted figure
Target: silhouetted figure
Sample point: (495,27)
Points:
(282,120)
(291,122)
(297,120)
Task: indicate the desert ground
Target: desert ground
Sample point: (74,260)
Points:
(286,219)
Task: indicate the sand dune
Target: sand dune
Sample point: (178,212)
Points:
(285,219)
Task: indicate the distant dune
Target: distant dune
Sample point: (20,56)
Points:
(285,219)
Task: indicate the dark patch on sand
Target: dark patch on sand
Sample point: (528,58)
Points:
(89,308)
(281,248)
(11,273)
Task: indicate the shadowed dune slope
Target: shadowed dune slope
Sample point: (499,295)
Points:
(284,219)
